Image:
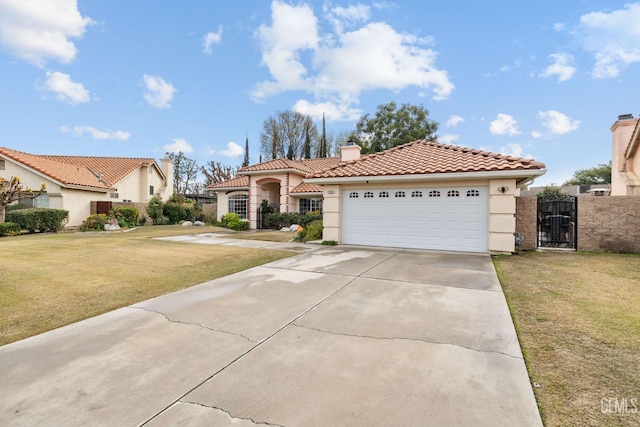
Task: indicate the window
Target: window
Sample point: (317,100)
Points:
(1,165)
(368,195)
(353,195)
(310,205)
(114,195)
(238,205)
(151,190)
(416,194)
(399,193)
(453,193)
(473,193)
(383,194)
(434,193)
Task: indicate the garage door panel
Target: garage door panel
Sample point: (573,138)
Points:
(456,220)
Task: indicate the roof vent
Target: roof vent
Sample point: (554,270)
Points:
(625,117)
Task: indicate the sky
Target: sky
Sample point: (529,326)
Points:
(543,80)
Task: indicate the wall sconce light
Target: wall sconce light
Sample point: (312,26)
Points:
(503,189)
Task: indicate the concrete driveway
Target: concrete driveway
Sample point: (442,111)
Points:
(336,336)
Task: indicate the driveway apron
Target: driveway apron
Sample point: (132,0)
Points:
(340,335)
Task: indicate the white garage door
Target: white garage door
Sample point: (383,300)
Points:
(452,219)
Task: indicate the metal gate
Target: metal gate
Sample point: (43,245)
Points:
(558,222)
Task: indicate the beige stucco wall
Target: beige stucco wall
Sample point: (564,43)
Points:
(623,173)
(501,217)
(135,186)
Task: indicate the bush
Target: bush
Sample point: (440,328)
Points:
(174,212)
(310,217)
(42,220)
(313,231)
(154,209)
(94,222)
(276,221)
(9,229)
(234,222)
(15,207)
(127,217)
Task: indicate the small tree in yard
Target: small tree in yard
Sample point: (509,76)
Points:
(11,190)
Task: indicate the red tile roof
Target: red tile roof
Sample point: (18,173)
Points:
(303,166)
(307,188)
(237,182)
(80,170)
(424,157)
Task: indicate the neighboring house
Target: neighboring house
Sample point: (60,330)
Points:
(625,161)
(420,195)
(75,182)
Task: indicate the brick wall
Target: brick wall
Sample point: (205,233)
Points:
(605,224)
(526,212)
(609,224)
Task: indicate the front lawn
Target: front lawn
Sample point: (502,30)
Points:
(578,322)
(51,280)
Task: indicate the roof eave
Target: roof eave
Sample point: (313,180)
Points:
(272,171)
(306,193)
(228,189)
(520,173)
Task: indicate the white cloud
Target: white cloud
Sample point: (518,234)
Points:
(536,134)
(159,92)
(613,38)
(40,30)
(66,90)
(562,67)
(514,150)
(448,138)
(558,26)
(504,124)
(233,150)
(210,39)
(177,145)
(333,111)
(454,121)
(78,131)
(331,67)
(557,122)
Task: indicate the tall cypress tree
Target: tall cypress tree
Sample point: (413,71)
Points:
(307,142)
(323,142)
(246,153)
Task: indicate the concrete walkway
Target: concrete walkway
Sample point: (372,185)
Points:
(332,336)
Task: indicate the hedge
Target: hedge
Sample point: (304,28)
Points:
(42,220)
(126,216)
(9,229)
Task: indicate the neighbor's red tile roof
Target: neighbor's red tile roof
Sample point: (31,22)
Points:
(307,188)
(424,157)
(237,182)
(80,170)
(303,166)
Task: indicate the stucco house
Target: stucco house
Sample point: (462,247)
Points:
(75,182)
(625,160)
(420,195)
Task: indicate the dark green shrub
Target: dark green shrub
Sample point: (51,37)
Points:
(94,222)
(154,209)
(9,229)
(15,207)
(42,220)
(127,217)
(276,221)
(313,231)
(310,217)
(174,212)
(234,222)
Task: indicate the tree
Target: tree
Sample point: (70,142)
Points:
(600,174)
(11,190)
(245,163)
(285,134)
(185,173)
(392,126)
(217,172)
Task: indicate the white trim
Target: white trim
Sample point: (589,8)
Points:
(429,177)
(225,189)
(315,193)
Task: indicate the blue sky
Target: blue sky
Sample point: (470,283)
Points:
(542,79)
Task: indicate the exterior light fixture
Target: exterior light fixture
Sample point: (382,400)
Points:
(503,189)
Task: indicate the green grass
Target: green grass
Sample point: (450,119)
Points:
(578,322)
(51,280)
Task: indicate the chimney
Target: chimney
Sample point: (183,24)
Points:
(350,151)
(621,131)
(166,165)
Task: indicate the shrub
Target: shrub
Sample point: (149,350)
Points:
(313,231)
(42,220)
(234,222)
(310,217)
(94,222)
(127,217)
(276,221)
(9,229)
(154,209)
(15,207)
(174,212)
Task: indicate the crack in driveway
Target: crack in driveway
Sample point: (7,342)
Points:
(188,402)
(404,339)
(195,324)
